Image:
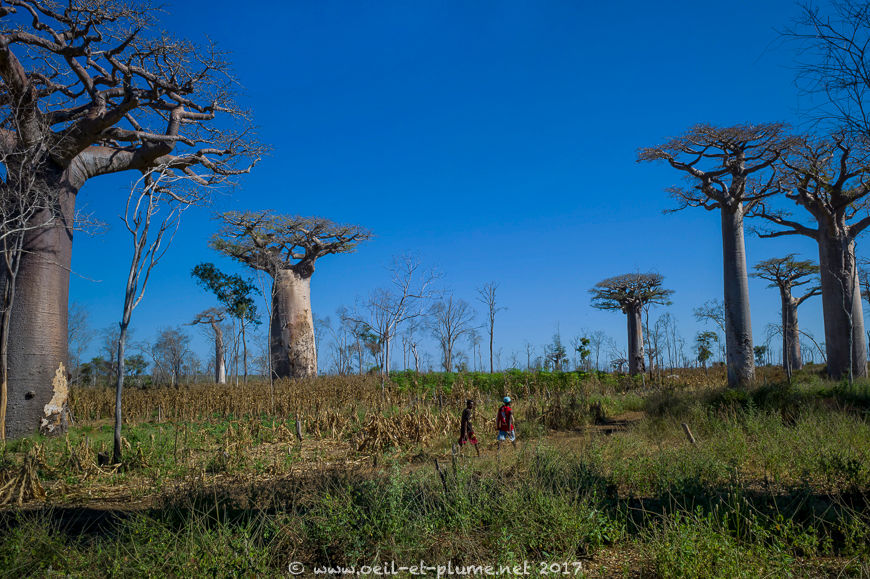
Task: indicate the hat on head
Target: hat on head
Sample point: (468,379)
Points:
(507,399)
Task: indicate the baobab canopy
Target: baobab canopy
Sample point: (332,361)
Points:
(630,293)
(286,247)
(91,89)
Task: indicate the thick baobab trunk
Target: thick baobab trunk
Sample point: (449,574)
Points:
(841,305)
(739,354)
(37,385)
(292,333)
(791,340)
(635,342)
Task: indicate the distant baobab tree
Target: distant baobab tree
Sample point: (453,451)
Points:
(787,273)
(214,317)
(93,89)
(731,169)
(286,248)
(830,180)
(629,293)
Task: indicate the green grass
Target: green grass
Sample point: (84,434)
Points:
(777,484)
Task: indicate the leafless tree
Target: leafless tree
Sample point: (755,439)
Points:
(834,61)
(713,311)
(169,352)
(97,92)
(597,341)
(79,334)
(450,320)
(828,178)
(731,170)
(629,293)
(214,318)
(152,215)
(388,308)
(486,295)
(785,274)
(286,248)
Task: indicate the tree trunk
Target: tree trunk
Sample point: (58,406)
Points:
(292,345)
(841,305)
(119,389)
(791,340)
(37,382)
(220,368)
(245,352)
(635,342)
(739,355)
(491,332)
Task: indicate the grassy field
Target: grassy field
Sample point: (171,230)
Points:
(603,481)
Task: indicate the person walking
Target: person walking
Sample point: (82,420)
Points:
(466,431)
(504,422)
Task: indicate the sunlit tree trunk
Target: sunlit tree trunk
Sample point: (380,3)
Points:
(292,333)
(37,384)
(791,340)
(841,304)
(738,324)
(635,342)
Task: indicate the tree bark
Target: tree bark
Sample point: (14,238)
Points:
(635,342)
(292,344)
(37,384)
(739,354)
(791,340)
(220,368)
(841,304)
(119,387)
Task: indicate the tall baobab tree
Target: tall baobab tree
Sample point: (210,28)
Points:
(214,317)
(731,170)
(787,273)
(486,295)
(829,179)
(629,293)
(23,197)
(96,92)
(286,248)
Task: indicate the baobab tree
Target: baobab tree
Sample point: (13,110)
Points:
(732,170)
(286,248)
(785,274)
(213,318)
(629,293)
(96,92)
(23,197)
(829,179)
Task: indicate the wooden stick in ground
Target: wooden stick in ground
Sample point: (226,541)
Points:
(688,433)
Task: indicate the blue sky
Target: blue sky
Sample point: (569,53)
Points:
(496,140)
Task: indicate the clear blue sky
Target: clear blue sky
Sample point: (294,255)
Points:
(494,139)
